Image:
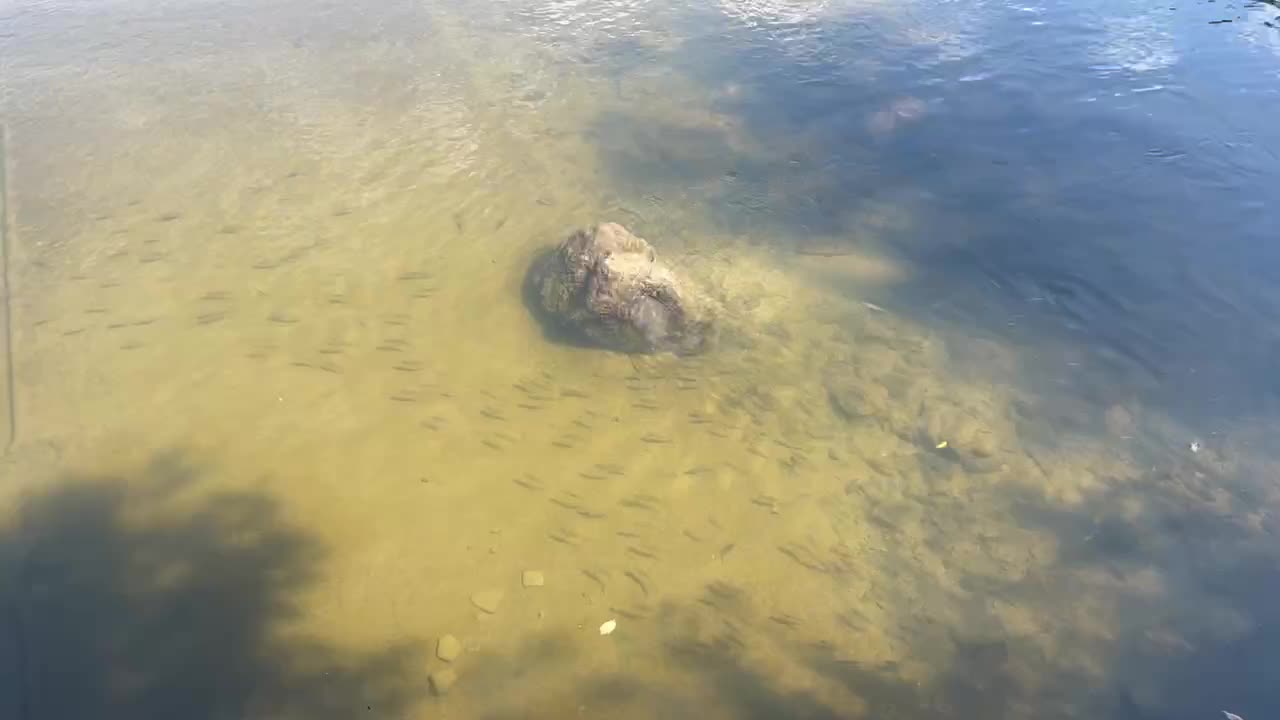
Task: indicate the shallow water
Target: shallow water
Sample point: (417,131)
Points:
(988,433)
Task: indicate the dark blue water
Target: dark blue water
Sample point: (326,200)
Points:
(1095,178)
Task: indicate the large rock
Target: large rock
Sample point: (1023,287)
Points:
(608,287)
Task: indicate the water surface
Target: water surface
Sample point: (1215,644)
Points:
(989,434)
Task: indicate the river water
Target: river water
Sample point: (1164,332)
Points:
(991,433)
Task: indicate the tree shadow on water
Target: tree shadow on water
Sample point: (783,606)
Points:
(145,598)
(1206,641)
(692,661)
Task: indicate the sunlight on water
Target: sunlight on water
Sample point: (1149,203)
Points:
(289,442)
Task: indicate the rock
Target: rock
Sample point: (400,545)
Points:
(983,444)
(487,600)
(608,287)
(532,578)
(448,648)
(852,398)
(442,680)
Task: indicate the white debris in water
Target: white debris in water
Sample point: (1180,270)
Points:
(608,627)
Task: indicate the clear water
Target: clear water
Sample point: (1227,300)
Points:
(992,436)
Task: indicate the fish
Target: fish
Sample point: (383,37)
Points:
(1231,715)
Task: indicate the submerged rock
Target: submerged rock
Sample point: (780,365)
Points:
(607,286)
(448,648)
(443,680)
(487,600)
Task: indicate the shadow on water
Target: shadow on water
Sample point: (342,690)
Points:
(143,597)
(1236,672)
(735,664)
(140,598)
(1189,554)
(1159,604)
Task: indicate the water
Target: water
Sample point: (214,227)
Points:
(990,269)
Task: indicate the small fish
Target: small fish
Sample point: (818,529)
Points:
(641,553)
(639,583)
(608,627)
(595,577)
(941,446)
(629,615)
(526,484)
(1231,716)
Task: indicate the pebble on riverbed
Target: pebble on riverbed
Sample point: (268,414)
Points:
(487,600)
(448,648)
(532,578)
(442,680)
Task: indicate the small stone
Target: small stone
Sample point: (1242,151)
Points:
(532,578)
(448,648)
(487,600)
(983,444)
(442,680)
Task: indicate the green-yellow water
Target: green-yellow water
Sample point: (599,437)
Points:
(281,413)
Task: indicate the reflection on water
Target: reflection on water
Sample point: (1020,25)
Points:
(985,436)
